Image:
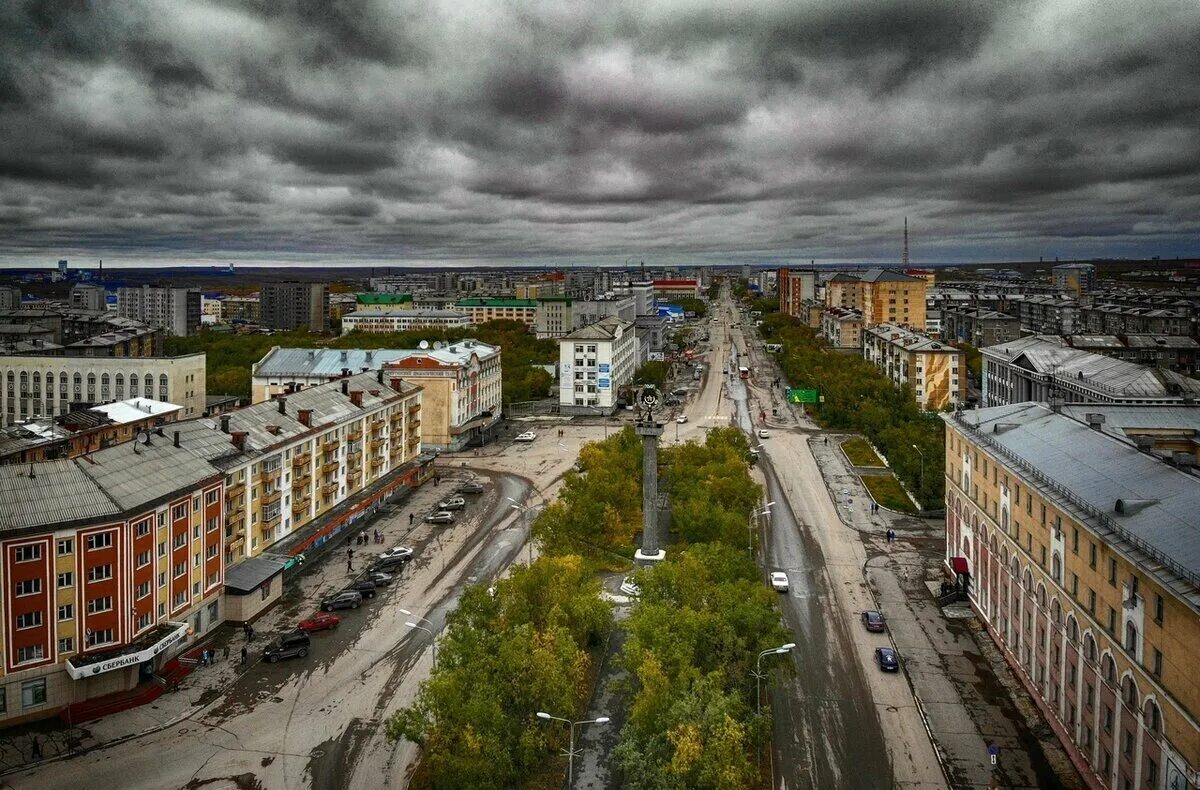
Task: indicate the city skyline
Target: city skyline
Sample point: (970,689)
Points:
(379,134)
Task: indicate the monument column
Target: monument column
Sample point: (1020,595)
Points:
(649,429)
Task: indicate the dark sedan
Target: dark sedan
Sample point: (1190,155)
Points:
(872,621)
(887,659)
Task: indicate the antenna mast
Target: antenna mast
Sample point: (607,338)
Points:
(904,257)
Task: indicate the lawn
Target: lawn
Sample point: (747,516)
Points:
(888,493)
(860,452)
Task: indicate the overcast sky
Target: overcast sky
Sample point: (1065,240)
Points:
(368,131)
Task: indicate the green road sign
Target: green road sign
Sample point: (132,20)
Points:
(802,396)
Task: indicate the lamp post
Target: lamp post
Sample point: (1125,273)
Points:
(571,751)
(524,511)
(432,635)
(758,676)
(765,510)
(918,449)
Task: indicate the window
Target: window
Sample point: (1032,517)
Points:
(143,559)
(66,579)
(100,573)
(1112,572)
(1075,585)
(179,570)
(162,579)
(1151,773)
(1158,609)
(143,529)
(1092,556)
(1158,662)
(162,549)
(102,604)
(66,546)
(1112,620)
(1089,694)
(1075,540)
(1131,638)
(33,692)
(27,553)
(100,540)
(1092,601)
(66,645)
(102,636)
(178,512)
(28,587)
(32,653)
(143,590)
(66,612)
(180,541)
(1108,719)
(29,620)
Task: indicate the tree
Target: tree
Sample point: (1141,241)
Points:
(652,372)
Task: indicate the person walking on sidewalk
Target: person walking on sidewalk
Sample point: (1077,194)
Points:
(410,519)
(245,655)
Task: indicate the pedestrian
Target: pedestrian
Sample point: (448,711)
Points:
(35,752)
(364,538)
(249,633)
(410,519)
(246,630)
(826,441)
(349,566)
(204,657)
(245,655)
(225,654)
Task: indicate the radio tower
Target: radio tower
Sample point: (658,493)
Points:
(904,257)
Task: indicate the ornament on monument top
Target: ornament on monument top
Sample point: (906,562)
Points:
(649,399)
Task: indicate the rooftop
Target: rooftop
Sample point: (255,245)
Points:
(496,303)
(426,312)
(607,328)
(908,339)
(329,362)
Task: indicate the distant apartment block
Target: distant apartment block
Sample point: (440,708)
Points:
(241,309)
(10,297)
(595,361)
(589,311)
(90,297)
(1074,278)
(666,290)
(175,310)
(1048,315)
(795,288)
(1114,319)
(385,321)
(1171,352)
(979,327)
(935,371)
(642,293)
(554,316)
(842,327)
(1042,368)
(483,310)
(291,306)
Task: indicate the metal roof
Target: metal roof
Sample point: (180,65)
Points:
(57,492)
(1088,469)
(135,409)
(604,329)
(247,575)
(1122,421)
(329,362)
(134,474)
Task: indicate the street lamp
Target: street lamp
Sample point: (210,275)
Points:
(765,510)
(571,751)
(432,635)
(918,449)
(758,676)
(524,511)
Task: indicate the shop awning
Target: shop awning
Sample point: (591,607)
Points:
(959,564)
(144,648)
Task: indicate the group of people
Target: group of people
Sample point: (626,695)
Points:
(363,539)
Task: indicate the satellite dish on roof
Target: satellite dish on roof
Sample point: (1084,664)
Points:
(423,345)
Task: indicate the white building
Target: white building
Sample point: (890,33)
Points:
(386,321)
(594,362)
(177,310)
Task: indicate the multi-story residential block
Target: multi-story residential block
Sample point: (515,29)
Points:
(293,306)
(80,432)
(1113,319)
(1077,547)
(90,297)
(883,296)
(175,310)
(936,371)
(842,327)
(461,403)
(47,386)
(594,362)
(111,565)
(1048,315)
(1074,278)
(642,293)
(1039,368)
(483,310)
(554,316)
(589,311)
(10,297)
(979,327)
(795,287)
(82,333)
(666,290)
(241,309)
(1170,352)
(387,321)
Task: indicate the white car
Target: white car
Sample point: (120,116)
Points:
(396,552)
(681,419)
(779,581)
(763,434)
(528,436)
(440,517)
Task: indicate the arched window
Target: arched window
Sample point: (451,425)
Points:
(148,385)
(133,385)
(1055,612)
(1131,638)
(1056,567)
(1072,629)
(1089,648)
(77,380)
(1129,692)
(37,384)
(1153,717)
(1028,583)
(120,386)
(1041,597)
(104,389)
(91,391)
(162,387)
(1109,669)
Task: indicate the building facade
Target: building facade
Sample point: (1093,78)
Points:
(884,297)
(979,327)
(89,297)
(291,306)
(842,327)
(1079,555)
(1075,278)
(242,309)
(666,290)
(594,362)
(483,310)
(80,432)
(10,297)
(48,386)
(1048,315)
(795,287)
(935,371)
(387,321)
(554,316)
(174,310)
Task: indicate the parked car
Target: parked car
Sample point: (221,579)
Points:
(293,645)
(763,433)
(346,599)
(779,581)
(319,622)
(390,565)
(380,578)
(681,419)
(440,517)
(364,587)
(887,659)
(470,487)
(528,436)
(397,552)
(680,391)
(630,588)
(453,503)
(872,620)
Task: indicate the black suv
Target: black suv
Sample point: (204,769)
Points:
(293,645)
(364,587)
(390,564)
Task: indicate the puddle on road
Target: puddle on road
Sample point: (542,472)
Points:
(331,763)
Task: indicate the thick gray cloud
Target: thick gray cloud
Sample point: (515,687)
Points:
(558,131)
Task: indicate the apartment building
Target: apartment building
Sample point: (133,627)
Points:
(48,386)
(642,293)
(589,311)
(979,327)
(666,290)
(1048,315)
(842,327)
(89,297)
(1170,352)
(291,306)
(795,288)
(483,310)
(1039,367)
(10,297)
(1074,278)
(935,371)
(387,321)
(1078,546)
(594,362)
(79,432)
(554,316)
(174,310)
(461,402)
(1113,319)
(241,309)
(111,565)
(883,296)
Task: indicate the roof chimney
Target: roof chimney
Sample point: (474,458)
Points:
(1181,458)
(176,438)
(239,440)
(379,375)
(224,423)
(356,397)
(345,373)
(305,417)
(1094,420)
(397,384)
(344,355)
(283,405)
(345,387)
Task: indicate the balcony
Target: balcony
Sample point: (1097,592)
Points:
(267,475)
(236,491)
(234,518)
(302,481)
(300,505)
(329,489)
(271,497)
(354,459)
(330,465)
(271,523)
(414,423)
(301,460)
(378,460)
(355,434)
(332,443)
(376,443)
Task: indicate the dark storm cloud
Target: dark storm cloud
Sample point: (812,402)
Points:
(372,129)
